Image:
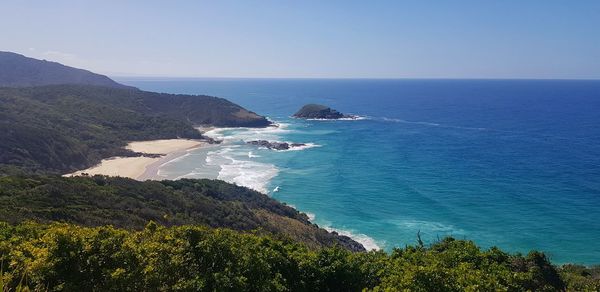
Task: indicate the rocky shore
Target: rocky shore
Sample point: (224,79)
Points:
(275,145)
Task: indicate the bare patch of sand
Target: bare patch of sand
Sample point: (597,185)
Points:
(139,167)
(163,146)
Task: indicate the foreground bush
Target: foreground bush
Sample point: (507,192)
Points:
(73,258)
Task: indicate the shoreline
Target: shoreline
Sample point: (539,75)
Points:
(266,187)
(141,167)
(151,171)
(147,168)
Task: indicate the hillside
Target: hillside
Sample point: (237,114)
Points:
(79,117)
(62,128)
(193,109)
(19,71)
(126,203)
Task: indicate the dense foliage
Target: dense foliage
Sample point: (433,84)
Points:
(581,278)
(126,203)
(63,128)
(68,257)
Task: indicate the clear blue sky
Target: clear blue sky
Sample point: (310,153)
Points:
(360,39)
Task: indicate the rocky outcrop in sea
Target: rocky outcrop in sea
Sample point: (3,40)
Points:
(275,145)
(321,112)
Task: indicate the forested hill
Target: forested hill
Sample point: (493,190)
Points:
(61,128)
(18,70)
(78,117)
(131,204)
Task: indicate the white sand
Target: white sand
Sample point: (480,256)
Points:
(138,167)
(163,146)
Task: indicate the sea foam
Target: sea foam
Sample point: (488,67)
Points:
(299,148)
(235,167)
(352,118)
(368,242)
(233,158)
(251,174)
(271,133)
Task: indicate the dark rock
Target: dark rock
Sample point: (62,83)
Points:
(210,140)
(317,111)
(349,243)
(129,153)
(152,155)
(275,145)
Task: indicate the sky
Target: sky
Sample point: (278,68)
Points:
(311,39)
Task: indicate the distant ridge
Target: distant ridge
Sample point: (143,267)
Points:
(57,119)
(20,71)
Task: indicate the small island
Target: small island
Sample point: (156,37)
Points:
(321,112)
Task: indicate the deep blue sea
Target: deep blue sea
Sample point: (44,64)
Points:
(507,163)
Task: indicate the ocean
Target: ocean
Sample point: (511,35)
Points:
(507,163)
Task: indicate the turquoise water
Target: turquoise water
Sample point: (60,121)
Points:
(515,164)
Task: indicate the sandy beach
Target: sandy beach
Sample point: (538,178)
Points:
(142,168)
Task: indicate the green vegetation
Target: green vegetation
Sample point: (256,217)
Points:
(54,129)
(72,258)
(126,203)
(581,278)
(62,128)
(317,111)
(59,128)
(18,70)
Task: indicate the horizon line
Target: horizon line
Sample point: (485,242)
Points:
(353,78)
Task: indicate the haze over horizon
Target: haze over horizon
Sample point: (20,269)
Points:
(271,39)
